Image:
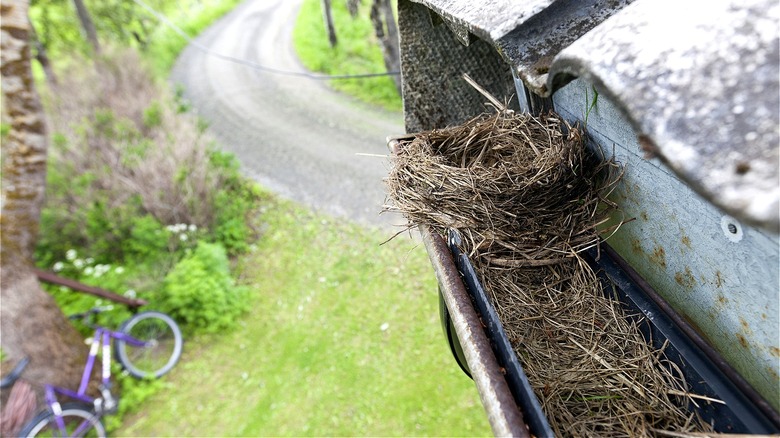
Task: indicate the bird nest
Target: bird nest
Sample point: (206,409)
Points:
(528,198)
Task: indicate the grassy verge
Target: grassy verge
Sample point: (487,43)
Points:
(343,339)
(356,52)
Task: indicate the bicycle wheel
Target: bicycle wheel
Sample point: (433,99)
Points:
(162,349)
(79,421)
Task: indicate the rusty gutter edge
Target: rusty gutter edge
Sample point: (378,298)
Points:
(503,413)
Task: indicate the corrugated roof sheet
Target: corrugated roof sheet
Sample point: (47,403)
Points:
(698,79)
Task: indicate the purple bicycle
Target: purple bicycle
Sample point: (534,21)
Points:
(147,345)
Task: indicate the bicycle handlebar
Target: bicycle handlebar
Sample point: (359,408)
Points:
(15,373)
(90,312)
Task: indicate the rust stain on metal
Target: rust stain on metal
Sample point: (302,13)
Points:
(645,216)
(659,256)
(685,279)
(742,340)
(774,351)
(636,245)
(685,240)
(648,146)
(722,299)
(718,279)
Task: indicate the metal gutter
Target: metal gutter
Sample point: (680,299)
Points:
(503,414)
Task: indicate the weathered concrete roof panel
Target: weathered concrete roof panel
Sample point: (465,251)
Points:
(532,47)
(490,19)
(701,88)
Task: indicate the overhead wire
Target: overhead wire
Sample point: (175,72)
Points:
(304,74)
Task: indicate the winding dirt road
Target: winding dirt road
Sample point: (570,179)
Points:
(293,135)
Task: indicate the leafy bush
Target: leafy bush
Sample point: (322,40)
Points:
(200,292)
(124,163)
(135,189)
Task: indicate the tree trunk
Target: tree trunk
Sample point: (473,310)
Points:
(31,323)
(386,32)
(87,25)
(327,14)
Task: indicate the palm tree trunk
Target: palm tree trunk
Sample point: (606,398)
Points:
(31,323)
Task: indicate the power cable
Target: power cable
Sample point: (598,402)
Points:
(315,76)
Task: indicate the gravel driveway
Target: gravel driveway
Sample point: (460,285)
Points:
(293,135)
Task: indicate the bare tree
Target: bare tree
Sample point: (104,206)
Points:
(31,322)
(86,23)
(386,31)
(327,15)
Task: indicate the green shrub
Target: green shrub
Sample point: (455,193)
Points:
(125,163)
(233,208)
(153,116)
(148,240)
(200,292)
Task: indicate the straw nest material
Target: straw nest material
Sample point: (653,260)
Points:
(528,198)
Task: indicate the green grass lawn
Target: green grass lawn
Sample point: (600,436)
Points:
(343,339)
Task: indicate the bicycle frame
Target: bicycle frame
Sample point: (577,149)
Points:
(106,402)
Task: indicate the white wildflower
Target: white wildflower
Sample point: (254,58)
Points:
(71,255)
(78,263)
(183,237)
(119,270)
(130,293)
(193,228)
(89,270)
(58,267)
(90,260)
(101,269)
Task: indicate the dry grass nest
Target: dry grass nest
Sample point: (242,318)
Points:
(527,197)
